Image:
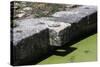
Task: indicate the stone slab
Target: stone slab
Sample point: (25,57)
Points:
(79,18)
(30,41)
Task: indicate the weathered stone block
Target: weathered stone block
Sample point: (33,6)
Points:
(90,15)
(79,18)
(29,41)
(82,19)
(33,37)
(58,32)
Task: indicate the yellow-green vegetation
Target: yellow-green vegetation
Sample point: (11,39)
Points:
(86,50)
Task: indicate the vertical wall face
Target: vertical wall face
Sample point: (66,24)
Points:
(82,19)
(31,48)
(30,41)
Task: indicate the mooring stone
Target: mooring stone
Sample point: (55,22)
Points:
(58,32)
(30,41)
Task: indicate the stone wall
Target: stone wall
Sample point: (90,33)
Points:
(33,37)
(29,40)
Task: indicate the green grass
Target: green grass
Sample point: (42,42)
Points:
(86,51)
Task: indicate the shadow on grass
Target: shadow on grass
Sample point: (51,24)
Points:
(63,51)
(59,52)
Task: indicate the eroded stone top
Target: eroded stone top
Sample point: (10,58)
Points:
(75,15)
(26,28)
(56,26)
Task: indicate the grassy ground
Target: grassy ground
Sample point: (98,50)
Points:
(85,51)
